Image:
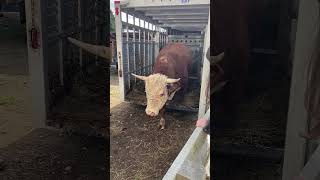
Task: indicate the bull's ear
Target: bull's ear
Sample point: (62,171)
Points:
(172,80)
(139,77)
(218,58)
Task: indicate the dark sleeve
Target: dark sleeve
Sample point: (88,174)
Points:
(206,129)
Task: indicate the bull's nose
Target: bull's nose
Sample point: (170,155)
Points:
(150,113)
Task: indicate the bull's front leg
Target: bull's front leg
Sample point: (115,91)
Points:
(162,120)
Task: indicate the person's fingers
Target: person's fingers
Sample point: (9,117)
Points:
(202,123)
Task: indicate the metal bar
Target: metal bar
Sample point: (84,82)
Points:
(184,21)
(140,15)
(175,14)
(173,8)
(118,24)
(128,52)
(36,62)
(205,79)
(134,47)
(167,38)
(185,25)
(96,32)
(152,51)
(140,62)
(180,17)
(61,69)
(134,71)
(171,3)
(144,46)
(134,26)
(148,46)
(157,45)
(81,35)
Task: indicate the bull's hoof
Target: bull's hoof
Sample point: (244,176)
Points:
(161,127)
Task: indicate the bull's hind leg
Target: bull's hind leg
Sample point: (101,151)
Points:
(162,120)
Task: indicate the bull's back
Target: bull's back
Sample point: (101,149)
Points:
(181,53)
(178,60)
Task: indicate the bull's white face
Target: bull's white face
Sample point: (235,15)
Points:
(156,91)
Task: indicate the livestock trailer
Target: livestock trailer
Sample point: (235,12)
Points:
(150,25)
(143,27)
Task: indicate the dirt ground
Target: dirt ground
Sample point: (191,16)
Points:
(139,150)
(15,115)
(114,89)
(44,155)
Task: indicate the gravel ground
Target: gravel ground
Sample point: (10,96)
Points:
(139,150)
(44,155)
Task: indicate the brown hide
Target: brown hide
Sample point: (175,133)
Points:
(174,61)
(230,35)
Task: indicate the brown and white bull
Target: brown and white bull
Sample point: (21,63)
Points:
(170,74)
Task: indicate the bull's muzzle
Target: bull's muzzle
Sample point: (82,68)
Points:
(151,113)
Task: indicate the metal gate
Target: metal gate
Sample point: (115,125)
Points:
(195,43)
(86,20)
(137,46)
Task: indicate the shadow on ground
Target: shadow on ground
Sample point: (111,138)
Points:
(43,154)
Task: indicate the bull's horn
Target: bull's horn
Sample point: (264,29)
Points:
(139,77)
(101,51)
(172,80)
(218,58)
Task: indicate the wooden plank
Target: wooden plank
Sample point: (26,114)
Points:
(295,148)
(36,62)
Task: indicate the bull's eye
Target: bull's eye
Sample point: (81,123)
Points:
(162,94)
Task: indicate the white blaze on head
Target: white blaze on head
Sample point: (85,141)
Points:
(156,91)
